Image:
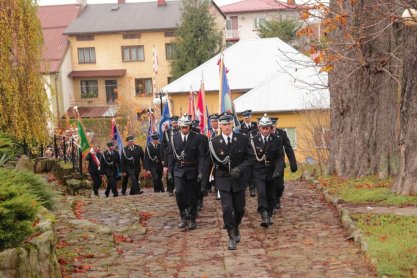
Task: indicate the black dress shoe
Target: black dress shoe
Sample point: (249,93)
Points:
(264,219)
(278,204)
(237,235)
(192,225)
(140,192)
(232,239)
(182,223)
(270,222)
(252,193)
(171,193)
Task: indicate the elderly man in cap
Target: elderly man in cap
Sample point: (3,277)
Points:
(269,154)
(132,156)
(164,150)
(186,164)
(214,125)
(153,162)
(109,163)
(233,157)
(291,158)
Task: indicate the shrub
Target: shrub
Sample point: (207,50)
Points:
(9,146)
(17,213)
(28,183)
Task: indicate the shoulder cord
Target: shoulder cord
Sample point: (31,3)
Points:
(256,154)
(149,154)
(105,160)
(178,157)
(225,161)
(128,158)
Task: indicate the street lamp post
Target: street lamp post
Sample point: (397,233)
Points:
(160,99)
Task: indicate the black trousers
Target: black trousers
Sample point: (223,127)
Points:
(185,194)
(95,176)
(233,206)
(111,184)
(156,172)
(171,185)
(266,194)
(280,185)
(133,175)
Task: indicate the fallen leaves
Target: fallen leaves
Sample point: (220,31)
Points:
(144,216)
(77,209)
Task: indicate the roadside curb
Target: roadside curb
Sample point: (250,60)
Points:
(347,222)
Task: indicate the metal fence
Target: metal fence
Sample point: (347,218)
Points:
(66,148)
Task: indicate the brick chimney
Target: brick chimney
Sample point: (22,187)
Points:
(121,1)
(291,2)
(161,3)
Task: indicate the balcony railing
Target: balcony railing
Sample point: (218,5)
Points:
(232,34)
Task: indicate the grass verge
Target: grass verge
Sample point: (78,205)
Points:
(392,241)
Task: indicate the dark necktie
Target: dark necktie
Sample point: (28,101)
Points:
(184,140)
(265,142)
(228,143)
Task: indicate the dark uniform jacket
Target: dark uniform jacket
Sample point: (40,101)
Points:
(165,144)
(288,148)
(241,156)
(273,152)
(190,160)
(92,166)
(253,128)
(152,156)
(109,163)
(131,158)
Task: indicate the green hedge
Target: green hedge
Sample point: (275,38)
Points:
(17,213)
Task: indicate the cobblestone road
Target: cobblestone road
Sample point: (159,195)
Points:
(103,237)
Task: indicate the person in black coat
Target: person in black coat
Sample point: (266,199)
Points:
(233,158)
(250,129)
(290,156)
(93,159)
(153,162)
(132,157)
(185,165)
(267,169)
(166,137)
(109,163)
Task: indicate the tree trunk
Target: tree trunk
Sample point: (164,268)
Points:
(363,93)
(406,180)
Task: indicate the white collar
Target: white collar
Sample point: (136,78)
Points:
(263,137)
(225,137)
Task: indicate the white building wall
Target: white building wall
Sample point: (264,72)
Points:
(66,89)
(246,26)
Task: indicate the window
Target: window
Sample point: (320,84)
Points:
(131,36)
(85,37)
(143,86)
(86,55)
(169,51)
(292,135)
(133,53)
(258,22)
(89,88)
(321,138)
(169,34)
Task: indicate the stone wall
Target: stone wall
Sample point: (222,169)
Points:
(36,257)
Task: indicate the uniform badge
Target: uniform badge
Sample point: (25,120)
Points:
(235,139)
(259,139)
(261,150)
(222,153)
(221,141)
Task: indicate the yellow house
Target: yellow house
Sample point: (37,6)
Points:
(266,76)
(121,54)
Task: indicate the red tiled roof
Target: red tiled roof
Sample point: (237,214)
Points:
(97,73)
(54,19)
(256,6)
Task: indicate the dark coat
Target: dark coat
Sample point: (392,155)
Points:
(109,163)
(253,129)
(92,166)
(166,139)
(152,156)
(274,157)
(132,158)
(288,149)
(192,163)
(241,156)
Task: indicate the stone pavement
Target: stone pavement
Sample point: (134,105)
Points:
(137,236)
